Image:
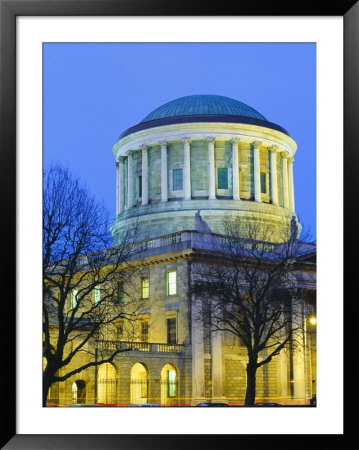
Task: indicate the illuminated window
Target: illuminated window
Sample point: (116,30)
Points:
(144,331)
(97,295)
(222,178)
(171,383)
(171,282)
(177,180)
(171,331)
(74,392)
(263,183)
(78,391)
(120,292)
(74,299)
(145,287)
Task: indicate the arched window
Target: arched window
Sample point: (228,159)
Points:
(138,383)
(79,391)
(169,384)
(106,384)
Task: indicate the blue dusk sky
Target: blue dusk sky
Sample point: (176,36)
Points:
(93,92)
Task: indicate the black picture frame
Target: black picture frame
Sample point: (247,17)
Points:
(9,10)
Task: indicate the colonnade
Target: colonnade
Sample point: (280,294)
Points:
(287,187)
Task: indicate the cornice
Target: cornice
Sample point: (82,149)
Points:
(246,133)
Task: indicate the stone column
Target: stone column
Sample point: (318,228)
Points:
(285,181)
(129,181)
(235,167)
(117,187)
(211,169)
(273,171)
(144,175)
(291,184)
(217,368)
(164,181)
(257,171)
(120,186)
(187,168)
(198,389)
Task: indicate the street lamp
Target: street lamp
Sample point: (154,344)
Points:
(313,320)
(310,317)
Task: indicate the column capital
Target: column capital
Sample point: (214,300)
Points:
(120,159)
(273,148)
(235,140)
(163,143)
(256,144)
(186,140)
(211,139)
(143,147)
(130,152)
(117,163)
(284,154)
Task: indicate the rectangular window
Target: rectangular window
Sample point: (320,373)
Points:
(171,331)
(120,292)
(177,180)
(222,178)
(171,383)
(144,332)
(263,183)
(140,186)
(171,282)
(74,299)
(145,287)
(96,295)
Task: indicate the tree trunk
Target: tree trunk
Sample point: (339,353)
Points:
(251,384)
(45,390)
(47,380)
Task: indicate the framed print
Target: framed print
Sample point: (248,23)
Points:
(185,121)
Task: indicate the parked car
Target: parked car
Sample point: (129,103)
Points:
(267,404)
(145,404)
(86,405)
(212,404)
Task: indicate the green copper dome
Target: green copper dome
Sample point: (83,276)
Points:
(201,105)
(202,108)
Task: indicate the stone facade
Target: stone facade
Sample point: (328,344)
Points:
(207,366)
(179,180)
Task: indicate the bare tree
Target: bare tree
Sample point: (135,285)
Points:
(248,288)
(83,279)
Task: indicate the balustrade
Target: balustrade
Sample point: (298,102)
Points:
(140,346)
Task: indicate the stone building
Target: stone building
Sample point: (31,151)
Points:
(181,171)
